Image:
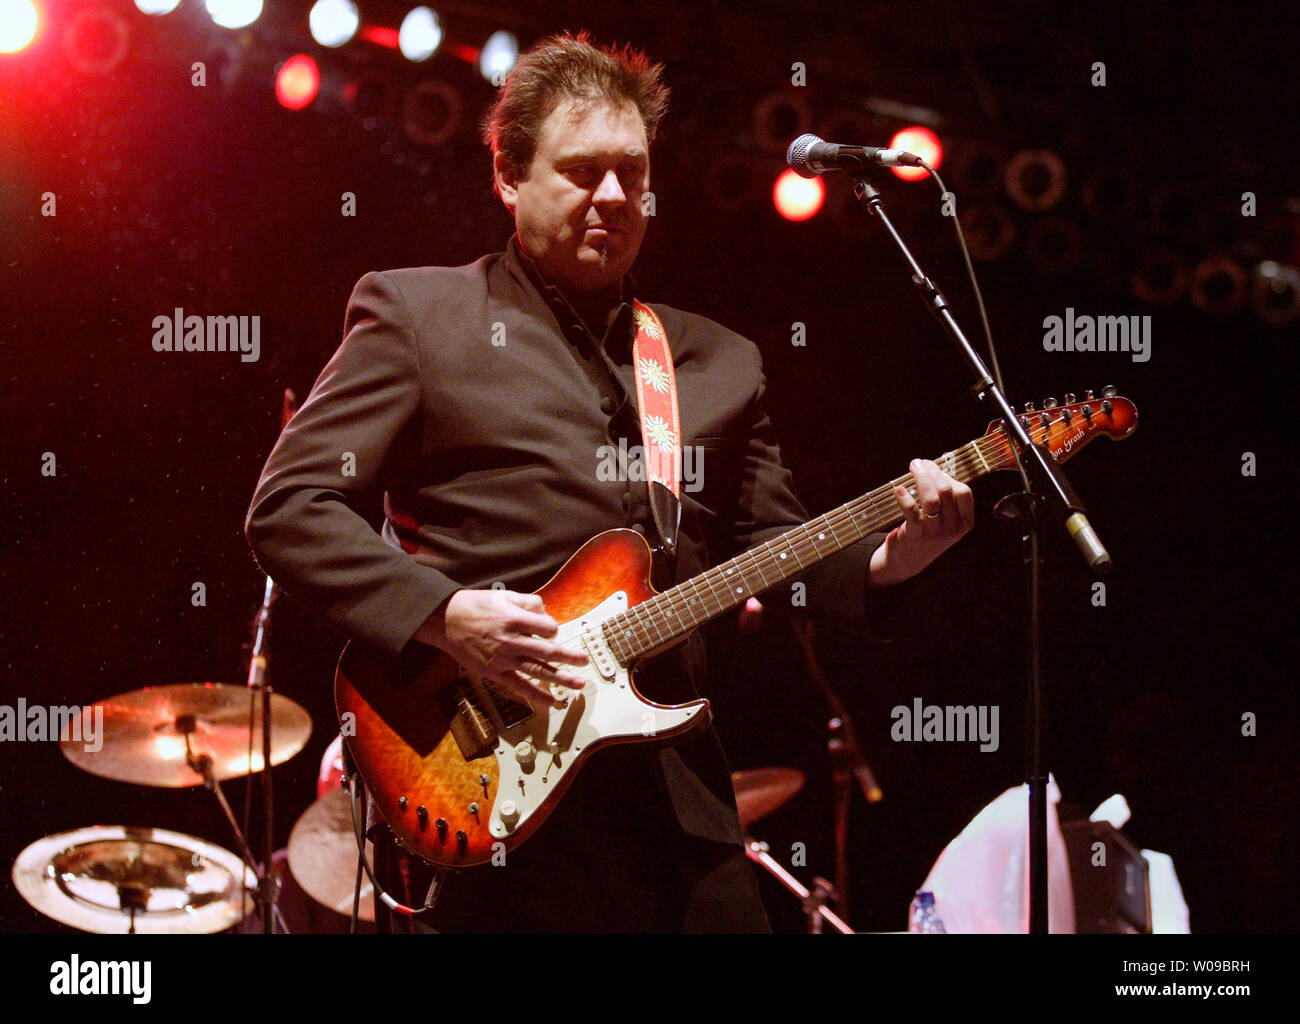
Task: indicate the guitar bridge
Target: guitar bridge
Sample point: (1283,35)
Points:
(473,726)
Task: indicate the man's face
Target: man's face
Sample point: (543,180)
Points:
(578,210)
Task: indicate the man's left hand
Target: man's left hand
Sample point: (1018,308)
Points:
(941,514)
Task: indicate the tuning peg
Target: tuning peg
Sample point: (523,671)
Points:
(1029,407)
(1088,395)
(1046,418)
(1051,403)
(1069,398)
(1109,391)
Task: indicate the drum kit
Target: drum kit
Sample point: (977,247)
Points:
(114,879)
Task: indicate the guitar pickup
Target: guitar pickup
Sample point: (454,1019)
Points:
(599,653)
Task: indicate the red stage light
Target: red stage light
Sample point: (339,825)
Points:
(297,82)
(18,23)
(797,198)
(469,54)
(924,143)
(381,36)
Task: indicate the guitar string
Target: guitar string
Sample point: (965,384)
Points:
(970,457)
(968,462)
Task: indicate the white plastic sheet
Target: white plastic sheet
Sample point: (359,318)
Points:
(981,879)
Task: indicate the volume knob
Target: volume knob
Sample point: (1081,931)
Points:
(509,812)
(525,753)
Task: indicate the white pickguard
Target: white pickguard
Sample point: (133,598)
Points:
(604,708)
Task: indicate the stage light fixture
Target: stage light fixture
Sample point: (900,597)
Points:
(234,13)
(18,24)
(1160,276)
(157,8)
(1111,195)
(1035,180)
(96,40)
(420,34)
(297,82)
(1219,285)
(333,22)
(1276,297)
(499,55)
(977,168)
(990,231)
(778,118)
(924,143)
(431,113)
(1055,245)
(798,198)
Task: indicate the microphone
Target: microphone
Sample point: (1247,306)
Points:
(809,156)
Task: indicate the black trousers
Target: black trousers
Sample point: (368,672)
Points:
(582,874)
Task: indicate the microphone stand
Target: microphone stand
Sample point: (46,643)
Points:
(258,683)
(847,762)
(1047,496)
(201,764)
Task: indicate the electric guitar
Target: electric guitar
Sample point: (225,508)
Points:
(462,774)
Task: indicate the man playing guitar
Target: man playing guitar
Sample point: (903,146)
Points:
(475,400)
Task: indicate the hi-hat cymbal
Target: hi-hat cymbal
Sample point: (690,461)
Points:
(144,731)
(760,791)
(323,856)
(112,879)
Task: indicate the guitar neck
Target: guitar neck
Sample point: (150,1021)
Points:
(664,618)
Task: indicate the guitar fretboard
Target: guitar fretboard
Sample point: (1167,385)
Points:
(665,617)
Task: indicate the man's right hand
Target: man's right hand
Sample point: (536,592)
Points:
(508,639)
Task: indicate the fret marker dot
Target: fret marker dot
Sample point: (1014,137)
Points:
(821,536)
(782,554)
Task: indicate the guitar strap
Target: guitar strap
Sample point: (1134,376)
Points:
(661,431)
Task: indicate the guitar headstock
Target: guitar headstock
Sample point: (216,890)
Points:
(1064,429)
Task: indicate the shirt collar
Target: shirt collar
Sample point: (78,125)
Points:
(556,299)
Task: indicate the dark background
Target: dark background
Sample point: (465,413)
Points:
(217,200)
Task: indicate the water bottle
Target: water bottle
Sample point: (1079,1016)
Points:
(924,919)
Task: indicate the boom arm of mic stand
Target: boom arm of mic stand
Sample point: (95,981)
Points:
(1044,475)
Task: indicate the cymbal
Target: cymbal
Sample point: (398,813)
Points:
(760,791)
(143,733)
(323,856)
(112,879)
